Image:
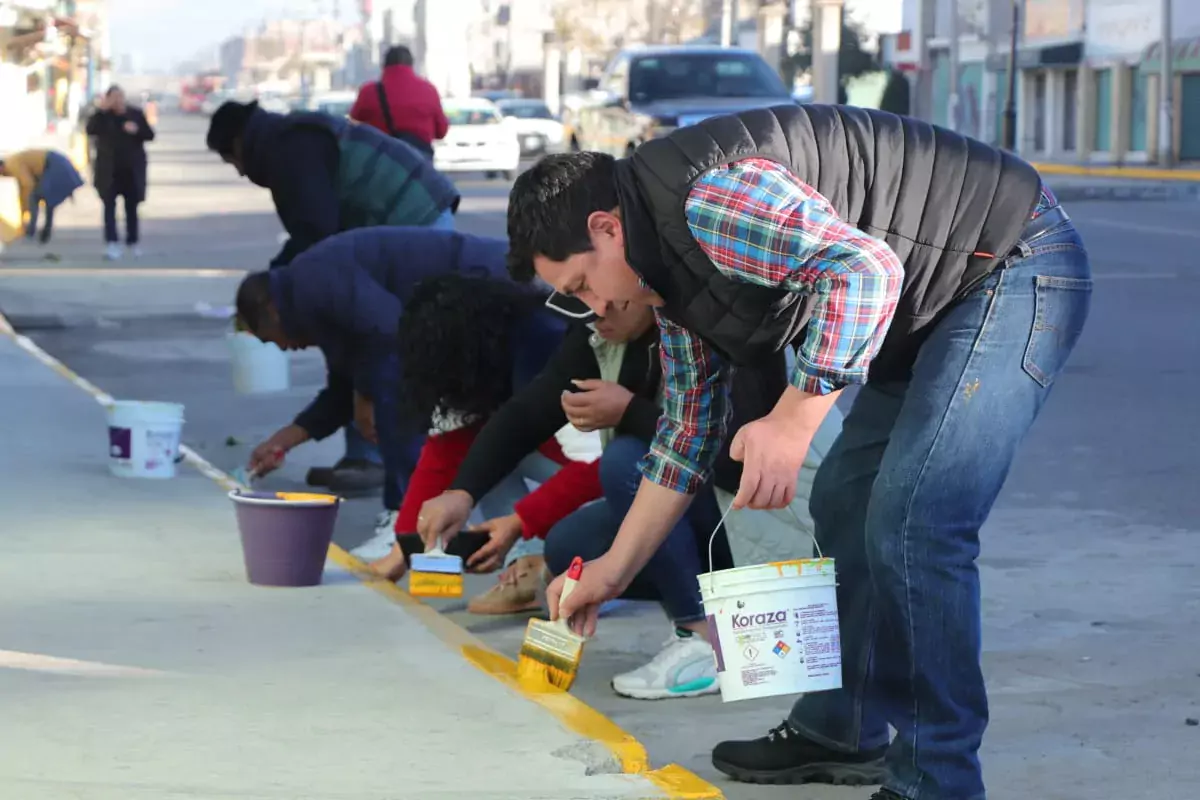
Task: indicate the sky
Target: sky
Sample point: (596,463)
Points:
(161,33)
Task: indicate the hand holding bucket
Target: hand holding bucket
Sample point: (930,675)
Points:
(773,627)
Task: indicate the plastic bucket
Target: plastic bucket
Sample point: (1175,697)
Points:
(143,438)
(774,628)
(285,537)
(258,367)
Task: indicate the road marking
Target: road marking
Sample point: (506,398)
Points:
(1087,222)
(37,662)
(117,272)
(1137,276)
(674,781)
(1133,173)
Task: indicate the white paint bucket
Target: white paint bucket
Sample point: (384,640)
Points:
(258,367)
(774,628)
(143,438)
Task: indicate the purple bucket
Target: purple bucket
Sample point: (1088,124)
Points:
(285,537)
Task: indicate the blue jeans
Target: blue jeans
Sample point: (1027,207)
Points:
(358,448)
(670,575)
(899,502)
(500,500)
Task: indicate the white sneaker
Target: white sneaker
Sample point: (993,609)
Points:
(112,252)
(686,667)
(381,543)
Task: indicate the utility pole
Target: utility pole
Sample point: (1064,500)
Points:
(952,102)
(729,23)
(1010,107)
(1166,93)
(826,46)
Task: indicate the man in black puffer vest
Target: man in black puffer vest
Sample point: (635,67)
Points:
(937,274)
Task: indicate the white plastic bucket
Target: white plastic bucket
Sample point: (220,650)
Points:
(774,628)
(143,438)
(258,367)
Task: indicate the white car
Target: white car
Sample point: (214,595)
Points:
(336,104)
(478,140)
(538,130)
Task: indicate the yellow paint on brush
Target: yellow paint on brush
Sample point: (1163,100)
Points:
(674,781)
(434,584)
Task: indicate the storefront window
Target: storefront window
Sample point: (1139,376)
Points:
(1137,113)
(1070,93)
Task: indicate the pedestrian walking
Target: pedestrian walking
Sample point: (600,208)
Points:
(935,272)
(44,178)
(119,133)
(402,103)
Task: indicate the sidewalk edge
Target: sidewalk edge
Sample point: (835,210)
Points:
(676,782)
(1131,173)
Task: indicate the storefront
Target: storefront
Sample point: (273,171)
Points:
(1049,86)
(1185,63)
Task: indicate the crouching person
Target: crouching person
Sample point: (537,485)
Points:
(467,344)
(44,178)
(346,296)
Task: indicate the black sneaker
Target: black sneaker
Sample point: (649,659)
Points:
(784,756)
(886,794)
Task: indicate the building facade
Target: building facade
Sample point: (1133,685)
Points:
(1086,74)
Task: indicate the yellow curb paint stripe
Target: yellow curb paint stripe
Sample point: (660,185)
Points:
(37,662)
(1132,173)
(673,780)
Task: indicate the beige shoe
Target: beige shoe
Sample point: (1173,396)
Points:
(517,591)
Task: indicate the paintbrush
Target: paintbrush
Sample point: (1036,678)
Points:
(435,574)
(551,651)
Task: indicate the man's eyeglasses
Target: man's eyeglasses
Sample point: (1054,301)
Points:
(570,307)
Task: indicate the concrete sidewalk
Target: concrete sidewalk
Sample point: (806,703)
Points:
(185,681)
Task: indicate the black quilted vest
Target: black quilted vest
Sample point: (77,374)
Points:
(949,206)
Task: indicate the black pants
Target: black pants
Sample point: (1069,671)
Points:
(131,218)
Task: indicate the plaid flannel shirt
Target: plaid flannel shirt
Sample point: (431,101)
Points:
(759,224)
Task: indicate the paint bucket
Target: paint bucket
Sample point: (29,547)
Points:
(143,438)
(774,628)
(258,367)
(285,535)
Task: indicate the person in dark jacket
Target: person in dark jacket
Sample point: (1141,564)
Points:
(402,103)
(328,175)
(346,296)
(119,133)
(44,178)
(609,380)
(935,272)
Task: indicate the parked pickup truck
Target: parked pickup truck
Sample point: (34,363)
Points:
(647,92)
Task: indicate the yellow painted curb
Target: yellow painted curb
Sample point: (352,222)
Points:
(1131,173)
(675,782)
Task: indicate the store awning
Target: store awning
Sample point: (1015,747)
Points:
(1185,55)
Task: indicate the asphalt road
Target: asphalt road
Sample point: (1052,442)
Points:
(1089,561)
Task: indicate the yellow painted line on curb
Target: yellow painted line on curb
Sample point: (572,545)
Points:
(1132,173)
(673,780)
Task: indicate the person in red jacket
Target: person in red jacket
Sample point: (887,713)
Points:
(402,104)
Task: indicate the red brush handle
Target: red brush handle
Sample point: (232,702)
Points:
(575,571)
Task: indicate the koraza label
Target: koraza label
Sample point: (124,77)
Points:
(793,643)
(757,635)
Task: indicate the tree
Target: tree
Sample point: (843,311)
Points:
(897,94)
(853,60)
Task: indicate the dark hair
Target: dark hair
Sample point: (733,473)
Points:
(549,206)
(398,56)
(228,124)
(112,90)
(254,300)
(456,345)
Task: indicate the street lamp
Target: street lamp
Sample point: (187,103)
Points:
(1010,108)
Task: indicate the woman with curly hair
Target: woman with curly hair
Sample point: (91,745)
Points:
(466,344)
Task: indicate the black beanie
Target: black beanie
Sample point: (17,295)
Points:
(227,124)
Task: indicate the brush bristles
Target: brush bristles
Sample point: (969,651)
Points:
(539,668)
(434,584)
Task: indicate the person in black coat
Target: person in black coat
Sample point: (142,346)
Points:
(119,133)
